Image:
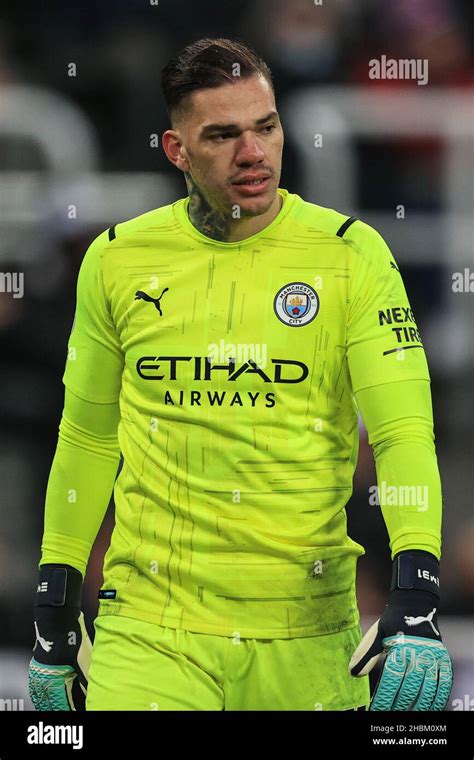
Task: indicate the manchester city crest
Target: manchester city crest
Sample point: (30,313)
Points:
(296,304)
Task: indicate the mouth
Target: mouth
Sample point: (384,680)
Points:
(252,186)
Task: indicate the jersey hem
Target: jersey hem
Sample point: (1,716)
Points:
(169,621)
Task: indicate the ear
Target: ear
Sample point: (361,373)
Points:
(174,149)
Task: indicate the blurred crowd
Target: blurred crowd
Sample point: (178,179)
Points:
(118,49)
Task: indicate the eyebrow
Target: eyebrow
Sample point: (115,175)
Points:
(227,127)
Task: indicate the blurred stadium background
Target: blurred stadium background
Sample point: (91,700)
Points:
(81,117)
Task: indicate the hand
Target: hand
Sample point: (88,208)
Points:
(58,670)
(417,672)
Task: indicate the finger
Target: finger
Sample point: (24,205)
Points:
(48,686)
(390,680)
(445,683)
(426,694)
(78,692)
(421,671)
(68,688)
(85,650)
(367,653)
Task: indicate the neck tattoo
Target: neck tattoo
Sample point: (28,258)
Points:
(208,221)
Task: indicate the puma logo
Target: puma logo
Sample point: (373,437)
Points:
(409,620)
(47,645)
(140,294)
(394,266)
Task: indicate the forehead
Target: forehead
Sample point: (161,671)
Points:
(233,103)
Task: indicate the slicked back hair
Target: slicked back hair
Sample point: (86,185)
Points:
(206,64)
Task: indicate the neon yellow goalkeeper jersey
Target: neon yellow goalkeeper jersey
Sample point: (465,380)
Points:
(236,366)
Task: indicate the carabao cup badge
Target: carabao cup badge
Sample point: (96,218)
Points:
(296,304)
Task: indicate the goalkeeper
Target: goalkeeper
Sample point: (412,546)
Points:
(223,345)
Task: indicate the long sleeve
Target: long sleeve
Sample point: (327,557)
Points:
(391,385)
(87,454)
(399,421)
(95,360)
(80,481)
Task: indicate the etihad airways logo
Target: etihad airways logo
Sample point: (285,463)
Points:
(204,369)
(185,369)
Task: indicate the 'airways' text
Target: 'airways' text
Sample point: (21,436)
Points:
(216,398)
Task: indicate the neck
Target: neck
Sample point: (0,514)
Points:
(218,226)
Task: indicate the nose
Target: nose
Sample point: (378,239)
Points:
(248,149)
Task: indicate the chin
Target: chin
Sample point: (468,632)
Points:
(257,204)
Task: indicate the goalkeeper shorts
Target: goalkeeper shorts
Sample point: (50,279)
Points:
(137,665)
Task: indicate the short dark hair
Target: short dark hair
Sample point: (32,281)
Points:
(205,64)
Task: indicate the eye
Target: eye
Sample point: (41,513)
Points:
(225,135)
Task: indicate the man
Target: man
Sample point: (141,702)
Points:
(231,337)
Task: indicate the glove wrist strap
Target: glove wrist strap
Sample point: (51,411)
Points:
(415,569)
(58,586)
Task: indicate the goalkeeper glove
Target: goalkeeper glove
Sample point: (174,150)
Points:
(59,668)
(417,672)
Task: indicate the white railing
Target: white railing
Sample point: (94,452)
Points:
(34,205)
